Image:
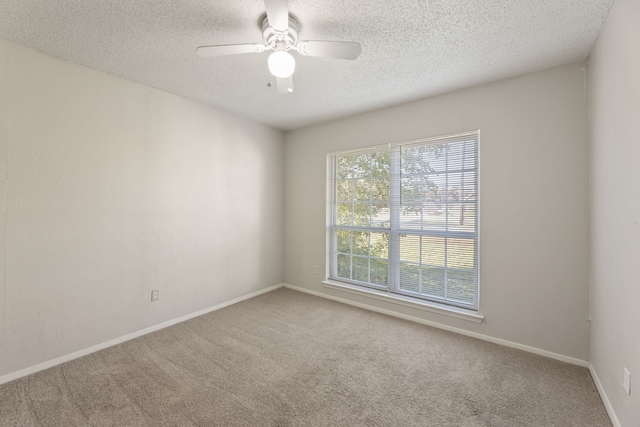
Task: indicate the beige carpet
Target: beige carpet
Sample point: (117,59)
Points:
(290,359)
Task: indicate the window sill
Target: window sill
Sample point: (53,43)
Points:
(459,313)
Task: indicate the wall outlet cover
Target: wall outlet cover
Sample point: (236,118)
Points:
(627,381)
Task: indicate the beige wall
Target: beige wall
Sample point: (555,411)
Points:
(109,189)
(534,201)
(614,121)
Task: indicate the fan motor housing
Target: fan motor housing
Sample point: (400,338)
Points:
(287,39)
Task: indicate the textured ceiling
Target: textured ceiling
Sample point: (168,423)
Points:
(410,48)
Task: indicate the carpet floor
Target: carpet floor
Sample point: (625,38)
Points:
(286,358)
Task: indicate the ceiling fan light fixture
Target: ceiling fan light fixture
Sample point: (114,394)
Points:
(281,64)
(280,32)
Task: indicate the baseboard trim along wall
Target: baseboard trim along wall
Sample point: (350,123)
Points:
(604,397)
(77,354)
(534,350)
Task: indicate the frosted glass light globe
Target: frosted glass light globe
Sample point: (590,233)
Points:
(281,64)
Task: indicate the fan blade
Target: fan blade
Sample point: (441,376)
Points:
(285,85)
(340,50)
(229,49)
(277,14)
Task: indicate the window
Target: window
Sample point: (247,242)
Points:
(404,219)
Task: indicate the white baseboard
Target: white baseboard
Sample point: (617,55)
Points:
(529,349)
(71,356)
(604,397)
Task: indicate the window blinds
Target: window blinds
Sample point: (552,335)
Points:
(404,218)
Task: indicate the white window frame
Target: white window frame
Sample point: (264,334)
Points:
(393,289)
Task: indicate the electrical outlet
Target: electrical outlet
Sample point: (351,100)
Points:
(315,269)
(154,295)
(627,381)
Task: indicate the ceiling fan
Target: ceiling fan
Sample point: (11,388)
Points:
(280,35)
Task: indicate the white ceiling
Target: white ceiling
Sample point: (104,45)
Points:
(410,48)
